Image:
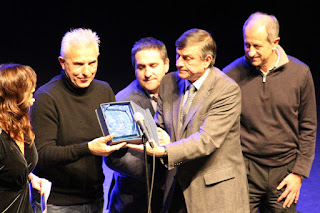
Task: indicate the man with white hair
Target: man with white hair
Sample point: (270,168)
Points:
(278,116)
(68,135)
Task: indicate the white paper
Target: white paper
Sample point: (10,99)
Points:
(45,196)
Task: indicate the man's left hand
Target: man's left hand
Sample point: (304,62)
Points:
(293,184)
(100,147)
(158,150)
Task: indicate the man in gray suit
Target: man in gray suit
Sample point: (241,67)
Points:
(128,191)
(203,143)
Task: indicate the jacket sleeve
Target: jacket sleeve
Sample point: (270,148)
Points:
(128,162)
(307,118)
(45,122)
(217,116)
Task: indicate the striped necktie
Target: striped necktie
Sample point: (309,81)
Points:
(187,104)
(154,98)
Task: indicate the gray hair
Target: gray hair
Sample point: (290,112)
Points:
(79,38)
(201,38)
(269,21)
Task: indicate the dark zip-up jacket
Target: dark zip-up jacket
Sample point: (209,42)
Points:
(278,118)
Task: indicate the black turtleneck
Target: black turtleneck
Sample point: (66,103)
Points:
(64,121)
(73,88)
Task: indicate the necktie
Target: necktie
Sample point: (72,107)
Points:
(186,106)
(154,101)
(154,98)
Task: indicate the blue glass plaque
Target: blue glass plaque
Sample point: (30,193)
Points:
(117,118)
(120,121)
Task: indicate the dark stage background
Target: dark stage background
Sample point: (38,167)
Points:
(31,32)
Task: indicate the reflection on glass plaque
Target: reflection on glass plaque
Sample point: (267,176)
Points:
(120,122)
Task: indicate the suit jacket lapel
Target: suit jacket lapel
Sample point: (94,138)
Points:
(144,100)
(146,103)
(176,105)
(199,98)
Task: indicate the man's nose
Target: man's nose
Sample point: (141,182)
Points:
(251,51)
(86,70)
(179,62)
(148,72)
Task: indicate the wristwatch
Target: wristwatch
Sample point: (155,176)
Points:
(165,157)
(165,154)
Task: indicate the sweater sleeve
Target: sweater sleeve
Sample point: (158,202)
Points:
(307,118)
(45,122)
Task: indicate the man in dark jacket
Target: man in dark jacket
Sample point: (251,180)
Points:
(129,193)
(278,118)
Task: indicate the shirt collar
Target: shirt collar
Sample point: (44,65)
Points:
(71,87)
(151,96)
(197,84)
(275,65)
(278,59)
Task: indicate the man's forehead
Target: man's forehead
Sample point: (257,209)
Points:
(82,53)
(147,63)
(189,50)
(255,30)
(152,52)
(148,56)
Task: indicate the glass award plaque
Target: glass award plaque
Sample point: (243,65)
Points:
(117,118)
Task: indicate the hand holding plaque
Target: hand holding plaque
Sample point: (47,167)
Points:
(117,118)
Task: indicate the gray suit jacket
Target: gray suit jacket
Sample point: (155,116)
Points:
(206,151)
(128,190)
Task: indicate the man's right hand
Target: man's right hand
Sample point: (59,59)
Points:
(164,138)
(99,146)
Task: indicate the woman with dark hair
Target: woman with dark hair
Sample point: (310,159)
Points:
(18,155)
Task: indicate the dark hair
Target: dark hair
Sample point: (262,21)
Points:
(199,37)
(148,43)
(16,85)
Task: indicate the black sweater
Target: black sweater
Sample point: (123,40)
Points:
(64,121)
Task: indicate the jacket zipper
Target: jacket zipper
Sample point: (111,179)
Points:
(264,77)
